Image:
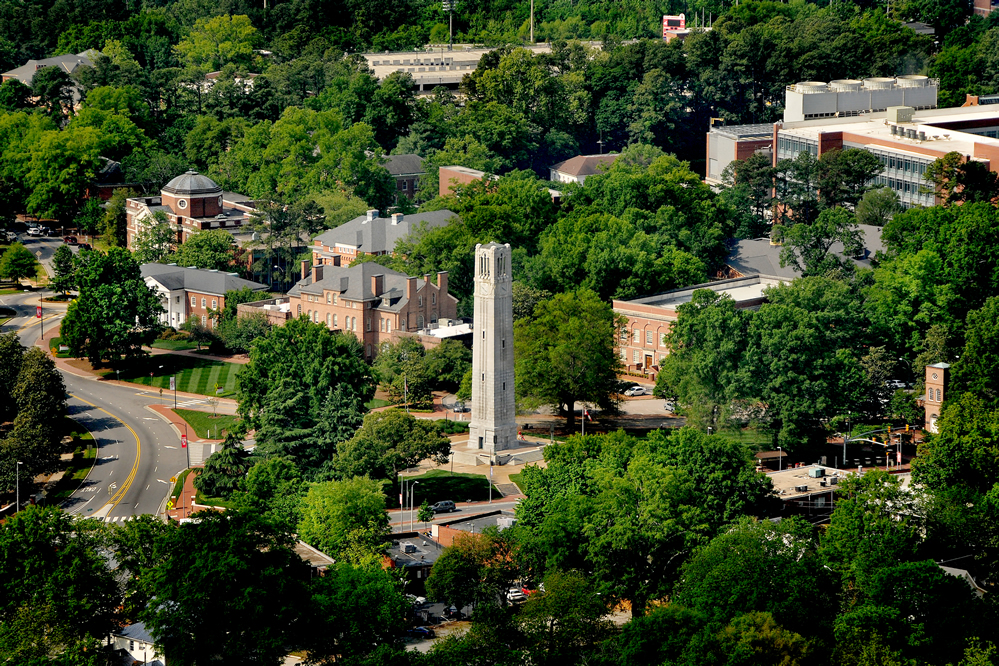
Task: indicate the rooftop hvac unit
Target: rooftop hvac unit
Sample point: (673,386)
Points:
(816,472)
(833,480)
(505,522)
(912,81)
(879,83)
(408,547)
(846,85)
(808,87)
(801,489)
(900,114)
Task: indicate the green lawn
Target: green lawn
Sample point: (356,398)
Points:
(10,290)
(178,487)
(174,345)
(54,347)
(202,422)
(194,375)
(76,472)
(748,436)
(375,403)
(518,479)
(439,484)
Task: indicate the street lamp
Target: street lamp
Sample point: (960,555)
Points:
(779,461)
(18,475)
(412,500)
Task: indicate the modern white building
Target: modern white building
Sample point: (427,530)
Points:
(192,292)
(135,640)
(843,98)
(493,426)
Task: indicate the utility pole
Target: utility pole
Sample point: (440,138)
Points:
(532,21)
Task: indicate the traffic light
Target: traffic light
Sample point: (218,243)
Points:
(907,427)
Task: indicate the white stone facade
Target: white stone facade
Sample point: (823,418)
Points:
(493,427)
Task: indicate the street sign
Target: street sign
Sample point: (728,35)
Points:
(173,383)
(183,441)
(38,311)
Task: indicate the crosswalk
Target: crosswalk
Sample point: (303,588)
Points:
(183,403)
(115,519)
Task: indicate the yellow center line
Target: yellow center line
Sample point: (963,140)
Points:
(120,493)
(35,321)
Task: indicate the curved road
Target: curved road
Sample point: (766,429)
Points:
(138,452)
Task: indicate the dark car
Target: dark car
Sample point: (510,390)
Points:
(69,240)
(447,506)
(421,632)
(85,246)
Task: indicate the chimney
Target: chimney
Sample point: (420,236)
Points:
(410,288)
(305,268)
(377,282)
(317,274)
(372,215)
(442,282)
(397,218)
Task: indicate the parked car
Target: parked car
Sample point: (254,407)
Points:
(421,632)
(416,601)
(35,231)
(515,595)
(11,236)
(445,506)
(895,384)
(85,246)
(635,390)
(452,613)
(69,240)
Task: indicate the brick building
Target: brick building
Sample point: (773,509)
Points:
(375,303)
(371,234)
(576,169)
(406,170)
(192,292)
(643,340)
(937,375)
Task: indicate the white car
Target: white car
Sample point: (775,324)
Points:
(515,595)
(35,231)
(635,390)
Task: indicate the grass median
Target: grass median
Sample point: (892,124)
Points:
(194,375)
(206,425)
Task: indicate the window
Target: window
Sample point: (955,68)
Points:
(334,321)
(388,325)
(938,395)
(405,185)
(624,334)
(367,325)
(503,344)
(369,350)
(215,304)
(194,302)
(433,299)
(420,322)
(662,340)
(637,337)
(329,298)
(402,323)
(334,299)
(329,320)
(353,323)
(504,386)
(649,339)
(624,355)
(421,301)
(315,316)
(204,320)
(131,646)
(299,309)
(204,302)
(178,299)
(636,356)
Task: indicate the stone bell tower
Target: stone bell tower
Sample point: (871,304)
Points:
(493,426)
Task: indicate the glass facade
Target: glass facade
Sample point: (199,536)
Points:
(903,173)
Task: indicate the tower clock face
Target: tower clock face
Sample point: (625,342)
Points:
(220,200)
(934,375)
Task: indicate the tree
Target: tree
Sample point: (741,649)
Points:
(63,164)
(567,352)
(807,246)
(404,373)
(225,469)
(425,514)
(39,392)
(977,371)
(18,263)
(843,176)
(14,95)
(213,249)
(310,354)
(52,571)
(958,181)
(448,362)
(345,519)
(273,489)
(878,206)
(388,442)
(226,588)
(156,240)
(475,568)
(11,360)
(54,90)
(217,41)
(65,269)
(115,313)
(357,610)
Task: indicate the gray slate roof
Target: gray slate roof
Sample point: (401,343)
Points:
(68,63)
(203,281)
(135,632)
(380,235)
(757,256)
(192,182)
(405,165)
(354,283)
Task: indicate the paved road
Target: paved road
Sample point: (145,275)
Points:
(138,452)
(404,521)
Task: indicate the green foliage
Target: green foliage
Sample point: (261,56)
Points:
(218,41)
(345,519)
(155,241)
(229,584)
(225,469)
(567,352)
(115,313)
(212,249)
(65,269)
(388,442)
(273,489)
(18,263)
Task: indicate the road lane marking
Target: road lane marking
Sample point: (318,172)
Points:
(162,481)
(127,483)
(166,446)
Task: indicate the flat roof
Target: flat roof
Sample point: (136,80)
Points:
(762,130)
(788,483)
(877,126)
(740,290)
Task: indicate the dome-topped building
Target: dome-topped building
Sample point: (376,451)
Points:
(193,195)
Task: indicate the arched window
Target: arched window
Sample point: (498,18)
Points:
(329,298)
(421,301)
(329,320)
(299,309)
(334,321)
(433,299)
(637,337)
(419,321)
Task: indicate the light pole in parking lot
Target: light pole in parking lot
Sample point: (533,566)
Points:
(18,474)
(780,455)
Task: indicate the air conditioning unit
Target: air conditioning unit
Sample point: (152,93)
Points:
(408,547)
(801,489)
(816,472)
(834,480)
